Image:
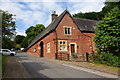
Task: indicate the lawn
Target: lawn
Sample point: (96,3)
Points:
(0,66)
(3,62)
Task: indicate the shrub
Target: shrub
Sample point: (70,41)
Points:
(106,58)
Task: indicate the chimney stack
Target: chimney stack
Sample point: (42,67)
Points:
(54,15)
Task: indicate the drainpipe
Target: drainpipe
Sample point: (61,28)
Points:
(56,54)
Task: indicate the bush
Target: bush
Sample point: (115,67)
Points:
(106,58)
(18,46)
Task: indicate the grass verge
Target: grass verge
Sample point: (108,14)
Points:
(4,62)
(0,67)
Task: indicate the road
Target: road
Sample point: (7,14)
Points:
(41,68)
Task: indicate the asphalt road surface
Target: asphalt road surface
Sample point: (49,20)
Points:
(41,68)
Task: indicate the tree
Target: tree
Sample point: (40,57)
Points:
(98,15)
(19,39)
(89,15)
(8,24)
(107,32)
(7,43)
(17,47)
(32,32)
(25,42)
(109,6)
(8,29)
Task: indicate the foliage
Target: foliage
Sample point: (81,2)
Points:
(89,15)
(98,15)
(8,23)
(109,6)
(32,32)
(8,29)
(18,46)
(106,58)
(7,43)
(107,32)
(25,42)
(19,39)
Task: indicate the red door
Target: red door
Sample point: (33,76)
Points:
(72,48)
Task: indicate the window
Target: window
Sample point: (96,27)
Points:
(67,30)
(5,50)
(35,49)
(63,45)
(48,47)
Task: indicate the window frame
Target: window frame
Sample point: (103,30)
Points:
(62,44)
(68,29)
(48,47)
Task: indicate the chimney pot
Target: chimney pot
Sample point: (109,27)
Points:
(54,15)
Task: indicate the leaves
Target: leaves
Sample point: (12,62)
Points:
(106,58)
(8,29)
(8,23)
(32,32)
(98,15)
(19,39)
(108,31)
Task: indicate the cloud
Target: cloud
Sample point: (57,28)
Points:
(31,12)
(19,32)
(59,0)
(86,7)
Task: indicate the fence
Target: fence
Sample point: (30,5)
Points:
(64,56)
(80,57)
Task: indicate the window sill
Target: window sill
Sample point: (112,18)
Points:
(63,51)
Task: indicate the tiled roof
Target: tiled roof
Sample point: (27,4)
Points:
(83,25)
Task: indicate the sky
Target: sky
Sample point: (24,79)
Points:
(31,12)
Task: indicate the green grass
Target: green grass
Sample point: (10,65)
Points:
(0,66)
(4,62)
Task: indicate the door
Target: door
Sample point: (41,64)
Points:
(72,48)
(6,52)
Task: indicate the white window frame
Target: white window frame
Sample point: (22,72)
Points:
(48,47)
(67,30)
(61,44)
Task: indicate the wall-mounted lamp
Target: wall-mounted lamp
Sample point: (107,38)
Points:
(90,46)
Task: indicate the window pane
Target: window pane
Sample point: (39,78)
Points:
(60,47)
(63,42)
(68,30)
(64,47)
(60,42)
(5,51)
(65,30)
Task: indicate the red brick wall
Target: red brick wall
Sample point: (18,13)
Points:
(90,41)
(74,37)
(82,42)
(47,39)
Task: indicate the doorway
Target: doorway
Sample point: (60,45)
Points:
(72,47)
(41,49)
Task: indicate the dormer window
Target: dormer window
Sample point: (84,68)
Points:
(67,30)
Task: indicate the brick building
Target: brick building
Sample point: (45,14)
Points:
(65,34)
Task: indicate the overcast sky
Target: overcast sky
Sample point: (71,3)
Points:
(31,12)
